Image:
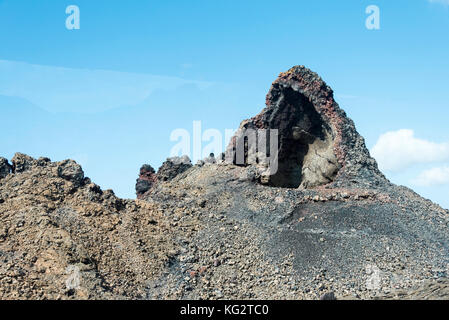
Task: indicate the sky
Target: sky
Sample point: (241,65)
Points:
(111,93)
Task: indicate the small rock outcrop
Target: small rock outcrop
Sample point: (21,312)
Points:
(173,167)
(317,143)
(22,162)
(148,177)
(66,169)
(5,168)
(71,171)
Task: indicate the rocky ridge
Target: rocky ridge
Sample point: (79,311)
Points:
(329,225)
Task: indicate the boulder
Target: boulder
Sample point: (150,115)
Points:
(22,162)
(71,171)
(173,167)
(147,178)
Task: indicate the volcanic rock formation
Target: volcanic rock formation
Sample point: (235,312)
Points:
(318,143)
(5,167)
(326,224)
(168,171)
(147,178)
(173,167)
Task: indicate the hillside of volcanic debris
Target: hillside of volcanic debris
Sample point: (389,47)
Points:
(326,223)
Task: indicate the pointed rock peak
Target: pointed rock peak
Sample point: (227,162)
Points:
(306,140)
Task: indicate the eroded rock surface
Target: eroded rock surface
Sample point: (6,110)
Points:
(318,143)
(173,167)
(148,177)
(5,168)
(327,226)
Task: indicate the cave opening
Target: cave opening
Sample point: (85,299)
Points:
(305,153)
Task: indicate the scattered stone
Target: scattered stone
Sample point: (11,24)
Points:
(328,296)
(202,203)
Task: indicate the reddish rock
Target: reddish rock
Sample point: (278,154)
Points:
(147,179)
(317,143)
(171,168)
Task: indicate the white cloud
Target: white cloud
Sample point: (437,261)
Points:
(397,150)
(433,177)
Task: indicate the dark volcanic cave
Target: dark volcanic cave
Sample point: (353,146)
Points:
(305,148)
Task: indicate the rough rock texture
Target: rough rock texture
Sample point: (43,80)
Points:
(318,143)
(62,237)
(71,171)
(427,290)
(268,242)
(148,178)
(173,167)
(214,231)
(5,168)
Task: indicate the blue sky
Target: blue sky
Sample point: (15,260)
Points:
(109,94)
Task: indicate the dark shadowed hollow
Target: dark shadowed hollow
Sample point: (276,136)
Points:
(300,126)
(305,155)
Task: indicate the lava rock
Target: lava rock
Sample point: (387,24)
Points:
(147,179)
(328,296)
(173,167)
(142,186)
(5,168)
(317,143)
(71,171)
(22,162)
(358,236)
